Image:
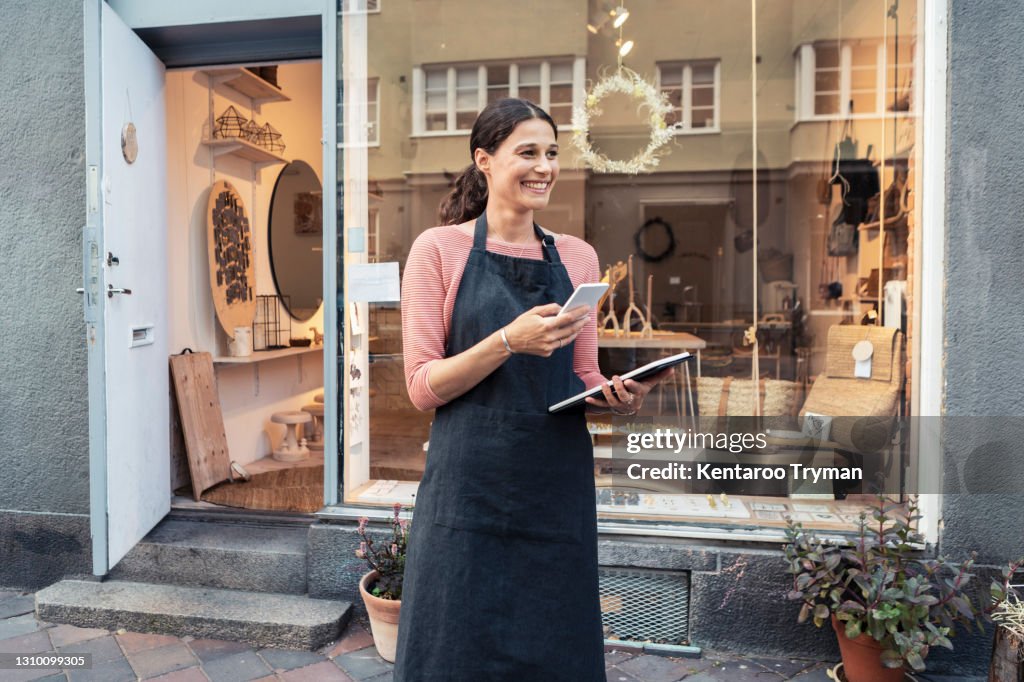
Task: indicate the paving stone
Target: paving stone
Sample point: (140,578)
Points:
(386,677)
(59,677)
(140,641)
(236,667)
(103,649)
(111,671)
(19,625)
(363,664)
(165,659)
(787,667)
(212,649)
(355,638)
(816,674)
(288,659)
(194,674)
(17,606)
(26,674)
(616,675)
(7,594)
(653,668)
(616,657)
(63,635)
(30,643)
(735,671)
(327,671)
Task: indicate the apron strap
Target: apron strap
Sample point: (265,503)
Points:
(480,239)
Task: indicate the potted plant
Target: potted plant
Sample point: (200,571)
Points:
(1008,648)
(381,588)
(887,602)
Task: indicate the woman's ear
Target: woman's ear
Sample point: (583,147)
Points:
(482,160)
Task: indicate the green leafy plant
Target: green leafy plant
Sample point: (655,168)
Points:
(883,585)
(388,558)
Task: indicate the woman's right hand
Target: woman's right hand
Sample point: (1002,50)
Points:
(541,330)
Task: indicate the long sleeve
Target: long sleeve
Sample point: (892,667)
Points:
(585,356)
(423,321)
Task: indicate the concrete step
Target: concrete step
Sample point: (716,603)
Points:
(257,618)
(217,554)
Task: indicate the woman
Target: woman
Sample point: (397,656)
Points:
(501,576)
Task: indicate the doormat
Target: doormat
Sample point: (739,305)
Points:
(298,489)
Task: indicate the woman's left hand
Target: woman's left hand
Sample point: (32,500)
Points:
(627,397)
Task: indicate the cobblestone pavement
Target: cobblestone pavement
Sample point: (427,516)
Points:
(130,656)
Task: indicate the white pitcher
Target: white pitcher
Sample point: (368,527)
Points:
(241,345)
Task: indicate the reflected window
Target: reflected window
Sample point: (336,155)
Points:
(371,120)
(692,89)
(453,95)
(847,78)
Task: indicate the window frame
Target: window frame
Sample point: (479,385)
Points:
(686,86)
(805,71)
(372,85)
(422,72)
(365,9)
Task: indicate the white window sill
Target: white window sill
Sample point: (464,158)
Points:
(698,131)
(368,145)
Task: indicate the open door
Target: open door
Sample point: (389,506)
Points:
(125,287)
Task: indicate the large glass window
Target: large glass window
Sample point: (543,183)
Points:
(774,246)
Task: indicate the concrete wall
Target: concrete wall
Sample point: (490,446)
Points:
(984,299)
(44,461)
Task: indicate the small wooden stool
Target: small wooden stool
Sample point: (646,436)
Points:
(319,398)
(315,439)
(291,450)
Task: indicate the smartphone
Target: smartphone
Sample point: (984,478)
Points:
(585,294)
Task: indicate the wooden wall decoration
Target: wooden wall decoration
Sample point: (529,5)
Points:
(232,269)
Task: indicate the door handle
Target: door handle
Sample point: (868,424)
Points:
(111,291)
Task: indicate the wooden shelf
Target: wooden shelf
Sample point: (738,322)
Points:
(244,149)
(247,83)
(264,355)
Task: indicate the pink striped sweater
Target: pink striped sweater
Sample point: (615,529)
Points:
(431,281)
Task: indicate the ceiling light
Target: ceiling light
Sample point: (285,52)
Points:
(593,29)
(621,14)
(626,47)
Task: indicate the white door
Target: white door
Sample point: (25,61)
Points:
(126,288)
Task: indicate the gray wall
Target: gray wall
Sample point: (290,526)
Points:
(43,404)
(984,293)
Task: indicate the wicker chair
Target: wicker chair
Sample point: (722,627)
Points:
(864,411)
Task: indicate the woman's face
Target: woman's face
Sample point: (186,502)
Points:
(523,169)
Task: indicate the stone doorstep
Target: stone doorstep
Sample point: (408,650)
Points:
(257,618)
(219,555)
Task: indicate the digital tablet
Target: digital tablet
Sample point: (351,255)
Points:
(588,294)
(636,374)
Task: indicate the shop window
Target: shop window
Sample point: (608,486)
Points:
(453,95)
(693,91)
(826,271)
(853,78)
(371,120)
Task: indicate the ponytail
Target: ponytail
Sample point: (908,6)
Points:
(468,197)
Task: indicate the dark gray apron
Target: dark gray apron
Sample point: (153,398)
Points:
(501,573)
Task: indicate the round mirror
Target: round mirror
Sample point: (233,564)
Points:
(296,239)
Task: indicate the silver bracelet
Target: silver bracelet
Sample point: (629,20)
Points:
(504,340)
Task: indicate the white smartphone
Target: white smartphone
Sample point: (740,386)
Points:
(585,294)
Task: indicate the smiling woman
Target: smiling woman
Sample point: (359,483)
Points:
(507,494)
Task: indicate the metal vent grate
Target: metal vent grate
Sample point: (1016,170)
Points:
(645,606)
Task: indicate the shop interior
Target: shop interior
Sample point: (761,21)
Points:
(245,256)
(771,266)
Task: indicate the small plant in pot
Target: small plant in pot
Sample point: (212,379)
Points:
(888,603)
(381,588)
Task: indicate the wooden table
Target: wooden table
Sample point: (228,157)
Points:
(671,340)
(678,341)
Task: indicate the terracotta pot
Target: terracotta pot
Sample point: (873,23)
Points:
(862,657)
(383,618)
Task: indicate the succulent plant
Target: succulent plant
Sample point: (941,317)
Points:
(389,558)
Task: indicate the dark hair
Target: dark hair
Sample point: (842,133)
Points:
(468,197)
